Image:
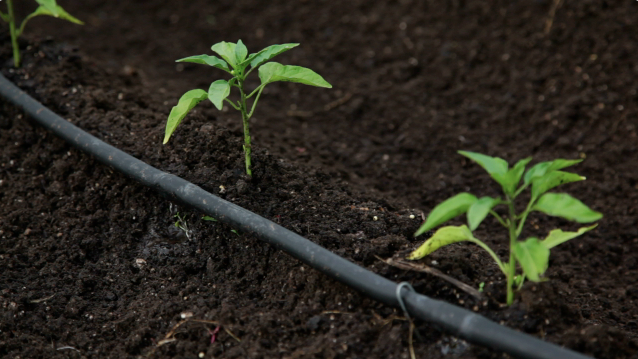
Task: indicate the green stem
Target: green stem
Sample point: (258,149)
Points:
(489,250)
(255,103)
(512,264)
(14,34)
(232,104)
(245,118)
(249,71)
(24,23)
(499,218)
(519,229)
(520,190)
(258,89)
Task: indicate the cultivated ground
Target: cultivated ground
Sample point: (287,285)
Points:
(91,265)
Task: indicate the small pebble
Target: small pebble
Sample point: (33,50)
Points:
(411,216)
(139,263)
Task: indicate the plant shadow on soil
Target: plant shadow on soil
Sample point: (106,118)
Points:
(91,260)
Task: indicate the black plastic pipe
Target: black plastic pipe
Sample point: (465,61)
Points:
(462,323)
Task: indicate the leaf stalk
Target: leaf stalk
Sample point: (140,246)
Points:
(14,34)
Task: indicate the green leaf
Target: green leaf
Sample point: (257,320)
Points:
(50,6)
(217,92)
(209,218)
(240,52)
(60,13)
(533,258)
(550,180)
(207,60)
(493,165)
(496,167)
(227,51)
(446,210)
(566,206)
(557,236)
(442,237)
(540,169)
(479,210)
(268,53)
(511,179)
(188,100)
(274,71)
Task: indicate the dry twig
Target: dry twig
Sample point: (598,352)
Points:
(168,338)
(425,269)
(552,14)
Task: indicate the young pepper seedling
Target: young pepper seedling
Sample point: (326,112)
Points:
(236,61)
(532,254)
(45,8)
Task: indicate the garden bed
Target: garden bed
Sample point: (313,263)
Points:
(90,260)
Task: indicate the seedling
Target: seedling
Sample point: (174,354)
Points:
(46,8)
(236,61)
(183,225)
(532,254)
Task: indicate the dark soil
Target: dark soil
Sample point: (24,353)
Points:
(92,266)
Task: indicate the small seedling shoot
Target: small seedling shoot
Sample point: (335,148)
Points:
(236,62)
(45,8)
(531,254)
(182,224)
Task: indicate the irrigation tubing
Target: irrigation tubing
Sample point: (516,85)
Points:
(458,321)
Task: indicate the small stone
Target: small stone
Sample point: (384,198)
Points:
(207,128)
(411,216)
(314,322)
(27,231)
(241,186)
(110,296)
(140,263)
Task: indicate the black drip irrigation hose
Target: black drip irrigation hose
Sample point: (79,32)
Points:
(458,321)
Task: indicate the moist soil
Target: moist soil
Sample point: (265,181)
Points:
(91,264)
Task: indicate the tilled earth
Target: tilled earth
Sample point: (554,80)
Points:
(91,264)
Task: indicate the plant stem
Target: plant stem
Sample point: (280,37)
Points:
(524,217)
(500,220)
(245,116)
(512,263)
(255,103)
(14,34)
(489,250)
(232,104)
